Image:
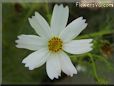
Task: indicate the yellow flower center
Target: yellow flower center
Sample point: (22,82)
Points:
(55,44)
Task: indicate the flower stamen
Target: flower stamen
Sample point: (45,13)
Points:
(55,44)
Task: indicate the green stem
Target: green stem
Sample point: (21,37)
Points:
(47,8)
(48,12)
(94,66)
(96,34)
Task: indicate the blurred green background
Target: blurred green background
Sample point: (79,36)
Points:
(15,22)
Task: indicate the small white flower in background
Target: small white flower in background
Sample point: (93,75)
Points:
(52,41)
(81,68)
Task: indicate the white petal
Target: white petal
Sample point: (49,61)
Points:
(73,29)
(36,59)
(31,42)
(40,25)
(59,19)
(53,66)
(66,65)
(78,46)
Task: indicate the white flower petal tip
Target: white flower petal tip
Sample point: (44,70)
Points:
(81,19)
(85,25)
(36,13)
(29,19)
(84,20)
(24,61)
(65,7)
(90,40)
(16,41)
(90,49)
(17,46)
(73,72)
(91,45)
(27,65)
(19,36)
(61,6)
(55,76)
(31,68)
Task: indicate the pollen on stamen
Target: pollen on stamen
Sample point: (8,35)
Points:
(55,44)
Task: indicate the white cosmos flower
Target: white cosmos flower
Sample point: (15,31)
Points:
(52,41)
